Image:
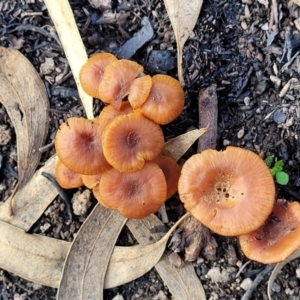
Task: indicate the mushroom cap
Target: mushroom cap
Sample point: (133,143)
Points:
(109,112)
(90,181)
(138,194)
(171,171)
(139,91)
(91,73)
(278,238)
(79,147)
(129,140)
(165,101)
(232,192)
(117,79)
(65,177)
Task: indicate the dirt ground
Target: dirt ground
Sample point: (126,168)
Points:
(234,47)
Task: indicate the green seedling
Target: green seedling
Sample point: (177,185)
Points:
(276,168)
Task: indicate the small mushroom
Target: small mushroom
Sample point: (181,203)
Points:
(109,112)
(91,73)
(129,140)
(135,194)
(139,91)
(78,145)
(117,80)
(232,192)
(278,238)
(165,101)
(90,181)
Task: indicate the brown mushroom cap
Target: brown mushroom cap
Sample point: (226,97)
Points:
(117,79)
(91,73)
(79,147)
(109,112)
(232,192)
(278,238)
(90,181)
(171,171)
(66,178)
(129,140)
(139,91)
(135,194)
(165,101)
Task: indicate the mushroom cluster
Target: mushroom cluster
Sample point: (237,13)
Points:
(118,153)
(232,192)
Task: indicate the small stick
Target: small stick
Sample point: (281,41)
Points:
(10,200)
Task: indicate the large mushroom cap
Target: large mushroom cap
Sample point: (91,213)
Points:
(135,194)
(129,140)
(278,238)
(79,147)
(231,192)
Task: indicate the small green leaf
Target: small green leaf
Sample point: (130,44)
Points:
(273,171)
(282,178)
(279,165)
(269,160)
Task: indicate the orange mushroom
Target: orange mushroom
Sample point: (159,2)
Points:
(109,112)
(90,181)
(129,140)
(139,91)
(66,178)
(278,238)
(165,101)
(78,145)
(232,192)
(117,79)
(91,73)
(135,194)
(171,171)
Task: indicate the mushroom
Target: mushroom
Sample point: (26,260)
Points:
(109,112)
(91,73)
(139,91)
(65,177)
(78,145)
(232,192)
(117,79)
(129,140)
(135,194)
(278,238)
(90,181)
(165,101)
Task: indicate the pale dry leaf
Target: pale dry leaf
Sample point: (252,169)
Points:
(297,2)
(63,19)
(183,16)
(31,201)
(132,262)
(34,257)
(177,146)
(90,253)
(23,94)
(278,268)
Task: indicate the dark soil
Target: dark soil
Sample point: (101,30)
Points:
(230,48)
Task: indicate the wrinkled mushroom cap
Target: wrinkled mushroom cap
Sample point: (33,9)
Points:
(129,140)
(135,194)
(79,147)
(278,238)
(232,192)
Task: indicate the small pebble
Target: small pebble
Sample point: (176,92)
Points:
(215,274)
(81,202)
(298,273)
(246,283)
(279,117)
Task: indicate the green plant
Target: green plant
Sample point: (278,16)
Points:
(276,168)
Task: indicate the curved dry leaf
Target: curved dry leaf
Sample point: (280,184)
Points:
(31,201)
(88,258)
(278,268)
(177,146)
(183,16)
(34,257)
(62,16)
(132,262)
(24,96)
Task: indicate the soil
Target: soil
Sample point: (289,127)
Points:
(232,48)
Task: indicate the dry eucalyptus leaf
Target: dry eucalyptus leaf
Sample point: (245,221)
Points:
(183,16)
(31,201)
(90,253)
(297,2)
(132,262)
(24,96)
(64,22)
(278,268)
(34,257)
(177,146)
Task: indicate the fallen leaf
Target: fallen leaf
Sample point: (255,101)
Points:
(25,99)
(34,257)
(62,16)
(183,16)
(132,262)
(90,253)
